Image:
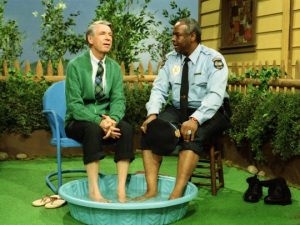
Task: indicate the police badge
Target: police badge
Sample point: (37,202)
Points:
(175,70)
(218,63)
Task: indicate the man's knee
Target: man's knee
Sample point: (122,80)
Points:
(93,129)
(125,128)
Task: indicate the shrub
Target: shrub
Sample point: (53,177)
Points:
(136,97)
(257,118)
(274,118)
(21,104)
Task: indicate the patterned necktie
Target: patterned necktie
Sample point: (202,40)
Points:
(184,90)
(98,81)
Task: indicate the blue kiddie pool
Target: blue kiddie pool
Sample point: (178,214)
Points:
(154,211)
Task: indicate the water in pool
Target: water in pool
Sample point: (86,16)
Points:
(131,194)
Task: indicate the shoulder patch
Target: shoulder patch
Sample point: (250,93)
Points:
(218,63)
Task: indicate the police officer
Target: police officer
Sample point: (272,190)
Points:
(204,117)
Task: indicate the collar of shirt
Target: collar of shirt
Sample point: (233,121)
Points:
(194,56)
(94,62)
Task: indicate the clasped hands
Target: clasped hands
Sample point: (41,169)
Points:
(187,130)
(109,127)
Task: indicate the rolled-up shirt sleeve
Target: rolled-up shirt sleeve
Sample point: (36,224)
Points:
(216,89)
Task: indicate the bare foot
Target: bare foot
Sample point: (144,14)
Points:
(146,196)
(99,198)
(103,200)
(122,198)
(122,195)
(174,196)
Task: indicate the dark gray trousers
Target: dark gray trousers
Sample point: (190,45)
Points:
(206,132)
(90,135)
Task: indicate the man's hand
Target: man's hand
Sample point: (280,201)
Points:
(109,127)
(148,120)
(113,132)
(188,130)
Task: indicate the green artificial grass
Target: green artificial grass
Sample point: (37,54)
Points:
(21,182)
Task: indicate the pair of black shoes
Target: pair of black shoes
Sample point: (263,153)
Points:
(278,192)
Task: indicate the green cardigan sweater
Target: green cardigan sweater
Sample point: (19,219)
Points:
(80,96)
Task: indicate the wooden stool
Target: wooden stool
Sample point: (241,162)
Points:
(211,168)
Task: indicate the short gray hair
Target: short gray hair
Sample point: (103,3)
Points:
(192,26)
(91,28)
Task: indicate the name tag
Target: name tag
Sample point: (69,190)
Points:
(199,73)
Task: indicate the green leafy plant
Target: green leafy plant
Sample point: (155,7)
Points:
(261,116)
(276,120)
(21,101)
(11,39)
(163,46)
(270,118)
(247,104)
(131,27)
(262,124)
(21,104)
(264,75)
(136,97)
(57,37)
(243,107)
(286,142)
(257,118)
(233,78)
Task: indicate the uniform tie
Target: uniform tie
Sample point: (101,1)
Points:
(184,90)
(98,81)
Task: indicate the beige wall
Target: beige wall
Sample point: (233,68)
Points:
(277,32)
(296,33)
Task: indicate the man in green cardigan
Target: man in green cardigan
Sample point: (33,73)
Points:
(96,107)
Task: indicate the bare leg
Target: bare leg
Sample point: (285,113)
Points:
(122,167)
(92,170)
(186,164)
(152,164)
